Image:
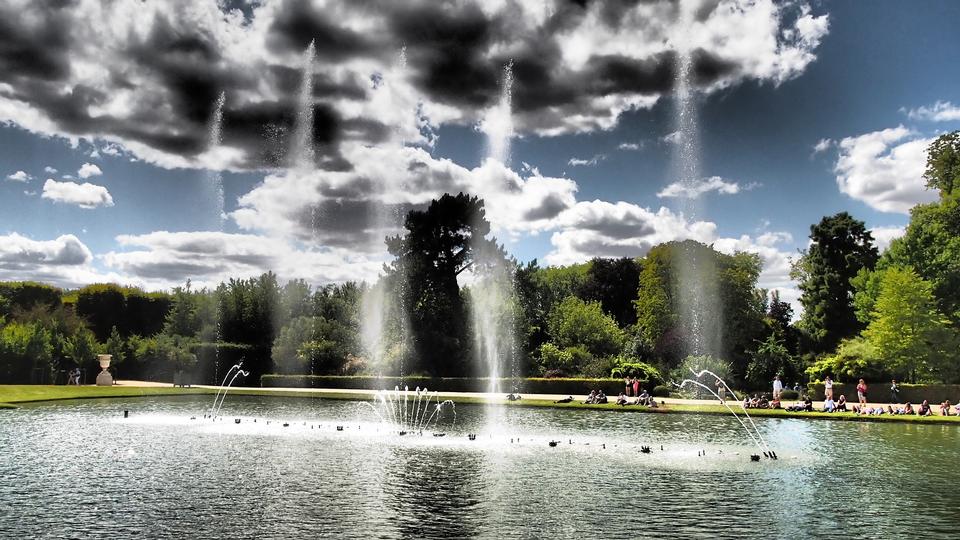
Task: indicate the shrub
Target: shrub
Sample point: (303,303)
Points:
(661,391)
(789,394)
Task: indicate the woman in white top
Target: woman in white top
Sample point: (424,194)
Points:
(828,388)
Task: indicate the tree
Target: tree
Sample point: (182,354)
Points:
(770,359)
(613,283)
(931,246)
(943,163)
(575,323)
(840,247)
(115,347)
(438,245)
(907,331)
(721,316)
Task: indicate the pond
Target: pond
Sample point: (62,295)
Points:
(81,470)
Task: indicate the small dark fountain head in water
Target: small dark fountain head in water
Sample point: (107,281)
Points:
(645,449)
(472,436)
(754,457)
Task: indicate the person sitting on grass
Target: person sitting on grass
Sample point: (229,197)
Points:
(924,409)
(945,408)
(622,399)
(829,405)
(601,397)
(763,403)
(746,402)
(592,398)
(644,398)
(774,404)
(907,409)
(957,409)
(841,405)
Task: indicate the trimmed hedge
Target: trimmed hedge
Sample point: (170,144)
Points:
(879,392)
(445,384)
(789,395)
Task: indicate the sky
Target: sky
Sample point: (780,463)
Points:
(148,143)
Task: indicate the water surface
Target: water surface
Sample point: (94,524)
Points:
(80,470)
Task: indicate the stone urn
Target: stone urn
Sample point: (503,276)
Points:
(104,378)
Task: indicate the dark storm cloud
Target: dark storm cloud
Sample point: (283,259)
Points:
(37,47)
(549,208)
(71,69)
(301,22)
(445,51)
(346,223)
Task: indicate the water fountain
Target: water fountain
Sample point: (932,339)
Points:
(223,396)
(375,306)
(698,296)
(492,293)
(406,416)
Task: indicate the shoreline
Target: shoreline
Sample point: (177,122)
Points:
(13,396)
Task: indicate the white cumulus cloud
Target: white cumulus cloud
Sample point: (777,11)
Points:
(19,176)
(884,169)
(89,169)
(704,185)
(941,111)
(85,195)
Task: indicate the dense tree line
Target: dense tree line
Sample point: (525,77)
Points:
(866,314)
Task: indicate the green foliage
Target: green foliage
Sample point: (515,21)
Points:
(440,243)
(613,283)
(26,352)
(626,366)
(789,395)
(906,329)
(855,358)
(116,347)
(943,163)
(575,323)
(26,295)
(840,247)
(660,391)
(931,246)
(770,359)
(130,310)
(672,328)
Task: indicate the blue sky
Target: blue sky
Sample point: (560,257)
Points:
(804,110)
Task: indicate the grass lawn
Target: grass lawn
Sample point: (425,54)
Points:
(12,394)
(24,393)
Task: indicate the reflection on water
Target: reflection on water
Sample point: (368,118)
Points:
(80,470)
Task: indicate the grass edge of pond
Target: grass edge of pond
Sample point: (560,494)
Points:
(11,395)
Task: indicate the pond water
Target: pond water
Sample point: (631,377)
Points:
(81,470)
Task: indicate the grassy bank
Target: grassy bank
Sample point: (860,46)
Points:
(13,394)
(668,408)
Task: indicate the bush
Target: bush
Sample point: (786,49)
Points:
(630,367)
(789,394)
(661,391)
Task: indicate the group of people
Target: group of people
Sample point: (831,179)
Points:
(73,377)
(862,407)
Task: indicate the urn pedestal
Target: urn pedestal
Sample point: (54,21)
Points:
(104,378)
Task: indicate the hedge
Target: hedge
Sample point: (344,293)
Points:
(879,392)
(568,386)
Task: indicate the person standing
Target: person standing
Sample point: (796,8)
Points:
(721,391)
(894,392)
(862,392)
(777,387)
(828,388)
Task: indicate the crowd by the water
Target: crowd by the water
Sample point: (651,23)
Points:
(831,405)
(633,394)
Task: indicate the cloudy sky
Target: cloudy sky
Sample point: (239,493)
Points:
(151,142)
